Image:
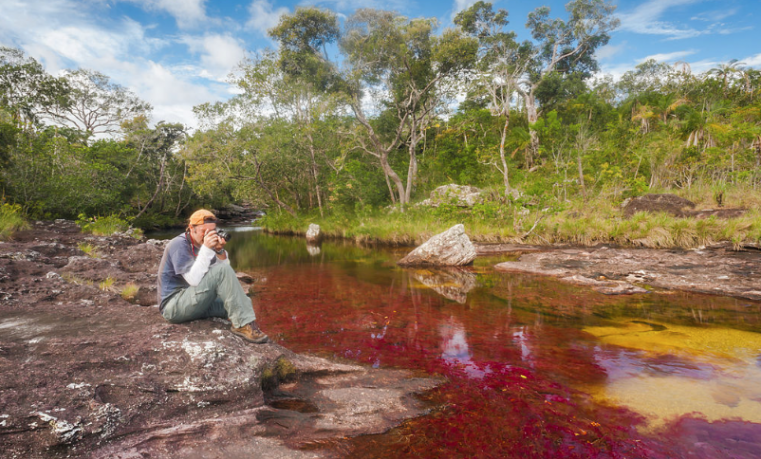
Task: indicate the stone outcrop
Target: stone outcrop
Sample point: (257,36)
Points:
(461,196)
(450,248)
(667,203)
(617,271)
(314,235)
(86,373)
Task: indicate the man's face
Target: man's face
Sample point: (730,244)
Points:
(199,231)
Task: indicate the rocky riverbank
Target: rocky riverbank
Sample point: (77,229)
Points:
(85,372)
(719,270)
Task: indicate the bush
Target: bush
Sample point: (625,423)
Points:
(102,226)
(11,220)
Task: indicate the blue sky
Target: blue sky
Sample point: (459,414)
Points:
(177,53)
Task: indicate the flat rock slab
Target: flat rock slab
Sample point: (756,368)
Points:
(615,270)
(85,373)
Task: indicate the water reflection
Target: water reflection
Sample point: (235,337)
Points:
(604,376)
(313,249)
(451,283)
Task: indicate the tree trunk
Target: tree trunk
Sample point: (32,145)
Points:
(505,176)
(533,116)
(314,172)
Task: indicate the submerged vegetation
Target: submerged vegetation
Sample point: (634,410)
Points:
(556,146)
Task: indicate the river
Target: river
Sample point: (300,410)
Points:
(533,367)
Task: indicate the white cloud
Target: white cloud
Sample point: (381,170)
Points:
(219,55)
(753,61)
(609,51)
(713,16)
(644,19)
(264,16)
(666,57)
(187,13)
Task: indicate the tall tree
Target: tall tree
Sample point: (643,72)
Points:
(96,105)
(498,69)
(564,47)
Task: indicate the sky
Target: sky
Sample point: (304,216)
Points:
(176,54)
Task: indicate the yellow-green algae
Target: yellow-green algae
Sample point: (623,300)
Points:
(732,391)
(679,339)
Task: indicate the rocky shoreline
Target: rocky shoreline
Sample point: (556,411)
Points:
(719,270)
(87,373)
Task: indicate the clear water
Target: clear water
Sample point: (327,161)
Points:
(534,367)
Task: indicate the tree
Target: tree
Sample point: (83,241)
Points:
(498,69)
(726,72)
(26,90)
(563,46)
(407,67)
(95,104)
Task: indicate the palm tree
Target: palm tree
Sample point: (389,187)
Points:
(725,72)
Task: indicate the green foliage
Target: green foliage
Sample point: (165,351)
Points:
(89,249)
(11,220)
(102,226)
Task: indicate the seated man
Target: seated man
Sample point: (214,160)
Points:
(196,280)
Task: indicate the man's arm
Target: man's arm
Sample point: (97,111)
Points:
(200,266)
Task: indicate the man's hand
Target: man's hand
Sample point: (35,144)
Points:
(211,240)
(221,242)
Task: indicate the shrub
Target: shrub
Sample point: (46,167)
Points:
(11,220)
(102,226)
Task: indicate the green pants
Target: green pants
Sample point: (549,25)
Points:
(218,295)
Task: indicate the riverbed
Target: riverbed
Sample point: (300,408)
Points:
(534,367)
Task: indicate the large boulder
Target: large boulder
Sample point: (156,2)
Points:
(667,203)
(450,248)
(461,196)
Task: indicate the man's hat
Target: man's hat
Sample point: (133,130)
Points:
(202,216)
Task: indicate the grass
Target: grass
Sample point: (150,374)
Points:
(107,284)
(103,226)
(72,279)
(129,291)
(11,221)
(580,222)
(89,249)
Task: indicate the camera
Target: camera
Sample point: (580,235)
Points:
(224,234)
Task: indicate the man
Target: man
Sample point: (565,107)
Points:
(196,280)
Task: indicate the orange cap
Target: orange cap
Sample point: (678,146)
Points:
(202,216)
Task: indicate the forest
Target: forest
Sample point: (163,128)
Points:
(352,122)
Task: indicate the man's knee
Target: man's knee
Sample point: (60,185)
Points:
(221,270)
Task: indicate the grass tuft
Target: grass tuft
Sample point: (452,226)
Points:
(89,249)
(129,291)
(107,284)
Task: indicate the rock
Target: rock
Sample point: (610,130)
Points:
(450,248)
(99,377)
(667,203)
(608,270)
(245,278)
(313,233)
(461,196)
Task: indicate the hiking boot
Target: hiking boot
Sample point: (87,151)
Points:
(250,332)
